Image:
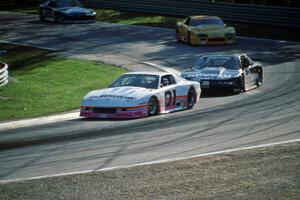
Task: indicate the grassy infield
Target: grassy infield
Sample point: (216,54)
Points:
(42,84)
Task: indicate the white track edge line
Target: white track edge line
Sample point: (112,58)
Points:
(22,123)
(166,69)
(28,45)
(151,162)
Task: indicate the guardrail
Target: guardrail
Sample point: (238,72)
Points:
(3,74)
(272,15)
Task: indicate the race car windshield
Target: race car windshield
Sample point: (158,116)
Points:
(67,3)
(227,62)
(137,80)
(200,22)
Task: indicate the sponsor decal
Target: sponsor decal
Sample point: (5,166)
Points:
(111,96)
(210,75)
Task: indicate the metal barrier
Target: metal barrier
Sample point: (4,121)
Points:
(3,74)
(272,15)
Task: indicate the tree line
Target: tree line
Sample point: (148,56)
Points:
(287,3)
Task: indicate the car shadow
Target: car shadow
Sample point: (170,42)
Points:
(104,119)
(216,93)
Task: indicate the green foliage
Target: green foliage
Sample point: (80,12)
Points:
(17,4)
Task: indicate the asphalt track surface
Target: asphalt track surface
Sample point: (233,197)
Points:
(268,114)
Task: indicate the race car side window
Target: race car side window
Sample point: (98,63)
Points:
(249,60)
(187,21)
(164,81)
(167,80)
(244,62)
(172,79)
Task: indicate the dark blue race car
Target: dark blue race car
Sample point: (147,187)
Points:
(65,11)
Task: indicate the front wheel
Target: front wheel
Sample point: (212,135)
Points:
(153,106)
(191,98)
(259,80)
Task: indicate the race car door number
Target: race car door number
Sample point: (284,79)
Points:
(205,84)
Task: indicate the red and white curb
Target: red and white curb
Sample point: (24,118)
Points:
(38,121)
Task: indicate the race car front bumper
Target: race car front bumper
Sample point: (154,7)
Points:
(114,113)
(228,84)
(78,19)
(205,39)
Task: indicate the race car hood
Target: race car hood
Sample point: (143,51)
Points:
(117,97)
(76,10)
(211,73)
(209,27)
(212,28)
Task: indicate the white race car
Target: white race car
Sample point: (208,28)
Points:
(141,94)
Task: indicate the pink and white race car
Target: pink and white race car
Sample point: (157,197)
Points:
(141,94)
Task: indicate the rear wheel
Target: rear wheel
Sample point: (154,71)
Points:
(188,38)
(59,18)
(41,16)
(153,106)
(259,80)
(178,36)
(241,87)
(191,98)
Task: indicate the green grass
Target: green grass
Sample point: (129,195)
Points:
(42,84)
(27,6)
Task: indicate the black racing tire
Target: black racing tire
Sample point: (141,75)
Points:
(241,87)
(259,80)
(191,98)
(188,38)
(177,36)
(153,106)
(41,16)
(58,18)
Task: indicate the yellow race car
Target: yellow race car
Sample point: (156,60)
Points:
(204,30)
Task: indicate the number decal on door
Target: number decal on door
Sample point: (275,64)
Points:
(170,98)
